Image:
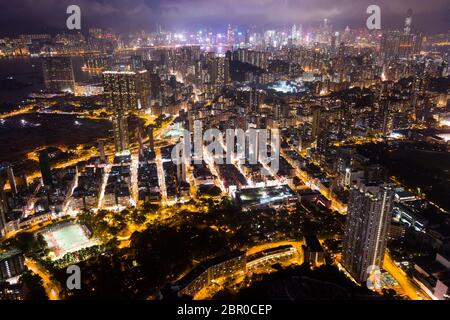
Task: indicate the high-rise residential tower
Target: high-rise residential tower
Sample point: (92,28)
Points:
(125,90)
(315,126)
(58,74)
(368,217)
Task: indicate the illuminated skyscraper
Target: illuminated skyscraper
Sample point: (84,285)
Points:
(58,74)
(134,86)
(227,70)
(125,90)
(316,114)
(219,70)
(406,46)
(294,33)
(368,217)
(230,35)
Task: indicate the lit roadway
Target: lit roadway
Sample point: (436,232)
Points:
(159,138)
(18,112)
(307,180)
(209,161)
(400,276)
(407,288)
(162,181)
(134,178)
(103,186)
(52,287)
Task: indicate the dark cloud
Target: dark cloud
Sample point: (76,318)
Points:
(49,15)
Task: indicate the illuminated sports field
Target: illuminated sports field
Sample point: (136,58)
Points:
(66,239)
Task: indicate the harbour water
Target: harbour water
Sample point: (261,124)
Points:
(21,76)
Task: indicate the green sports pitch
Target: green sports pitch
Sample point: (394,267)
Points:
(66,239)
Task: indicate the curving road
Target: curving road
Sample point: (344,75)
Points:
(52,287)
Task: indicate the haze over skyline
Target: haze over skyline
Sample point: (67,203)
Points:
(33,16)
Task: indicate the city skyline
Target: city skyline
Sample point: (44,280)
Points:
(429,17)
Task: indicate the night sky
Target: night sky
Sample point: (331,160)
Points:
(31,16)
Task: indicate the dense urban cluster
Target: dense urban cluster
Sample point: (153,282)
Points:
(359,196)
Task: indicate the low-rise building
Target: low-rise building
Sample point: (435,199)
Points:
(434,277)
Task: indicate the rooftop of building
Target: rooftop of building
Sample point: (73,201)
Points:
(9,253)
(264,195)
(199,269)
